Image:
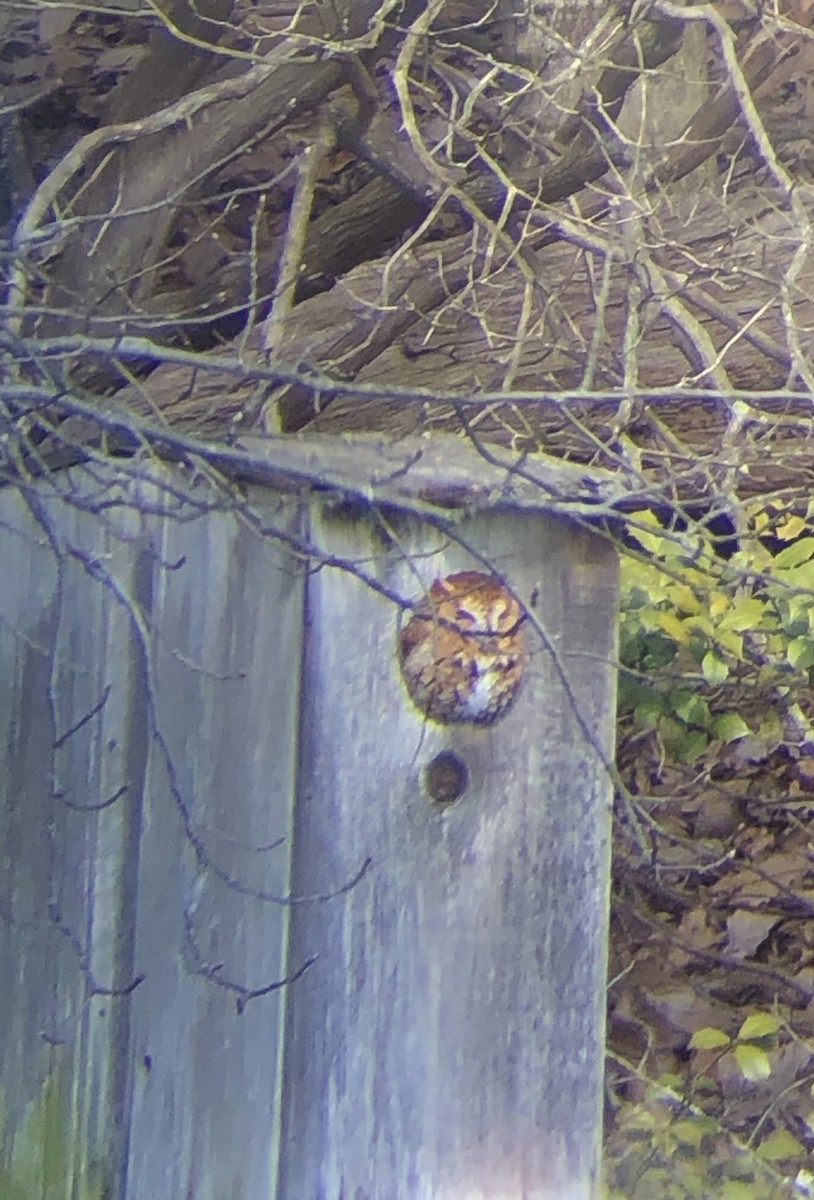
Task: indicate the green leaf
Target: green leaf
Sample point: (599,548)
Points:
(760,1025)
(646,715)
(655,545)
(686,600)
(778,1145)
(802,576)
(790,528)
(692,708)
(754,1063)
(631,689)
(714,668)
(746,613)
(658,652)
(797,553)
(731,642)
(646,517)
(709,1039)
(672,626)
(795,615)
(690,745)
(636,598)
(700,623)
(800,653)
(688,1131)
(729,726)
(698,647)
(737,1189)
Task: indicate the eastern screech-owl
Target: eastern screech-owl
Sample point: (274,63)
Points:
(463,652)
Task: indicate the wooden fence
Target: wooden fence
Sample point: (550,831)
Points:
(213,780)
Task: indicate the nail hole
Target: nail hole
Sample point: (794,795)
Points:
(445,778)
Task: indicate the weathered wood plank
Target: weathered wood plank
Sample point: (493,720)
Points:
(153,667)
(441,473)
(225,663)
(70,801)
(448,1043)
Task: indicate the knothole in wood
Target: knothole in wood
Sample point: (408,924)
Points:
(445,778)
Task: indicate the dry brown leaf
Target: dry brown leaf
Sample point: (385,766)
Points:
(746,930)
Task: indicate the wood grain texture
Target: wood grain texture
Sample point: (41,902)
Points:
(165,1089)
(448,1043)
(66,915)
(432,476)
(226,670)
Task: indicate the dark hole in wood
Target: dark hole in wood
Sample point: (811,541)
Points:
(446,778)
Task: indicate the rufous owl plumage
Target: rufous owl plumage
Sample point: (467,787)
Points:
(463,652)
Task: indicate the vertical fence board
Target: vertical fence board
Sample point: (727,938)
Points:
(72,731)
(448,1042)
(225,664)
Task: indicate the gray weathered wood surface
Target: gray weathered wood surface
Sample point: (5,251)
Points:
(181,692)
(448,1042)
(166,1091)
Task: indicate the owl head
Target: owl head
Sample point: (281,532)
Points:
(463,652)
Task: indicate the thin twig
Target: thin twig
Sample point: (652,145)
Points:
(302,202)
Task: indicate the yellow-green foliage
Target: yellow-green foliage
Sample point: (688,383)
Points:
(696,627)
